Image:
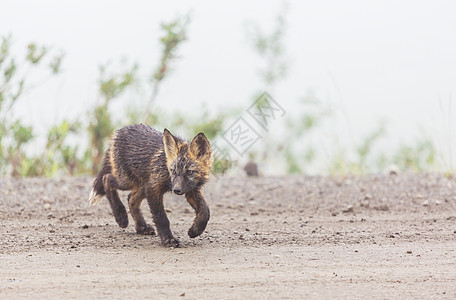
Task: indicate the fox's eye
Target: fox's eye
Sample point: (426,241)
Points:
(189,172)
(173,171)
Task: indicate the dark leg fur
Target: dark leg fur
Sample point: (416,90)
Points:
(196,200)
(118,209)
(155,201)
(134,201)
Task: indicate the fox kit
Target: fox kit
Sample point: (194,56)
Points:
(149,163)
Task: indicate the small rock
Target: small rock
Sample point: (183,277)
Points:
(182,295)
(382,207)
(85,226)
(425,203)
(349,209)
(393,170)
(334,214)
(409,251)
(251,169)
(364,203)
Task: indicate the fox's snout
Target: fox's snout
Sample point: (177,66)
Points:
(178,186)
(177,190)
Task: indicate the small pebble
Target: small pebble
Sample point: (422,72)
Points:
(348,209)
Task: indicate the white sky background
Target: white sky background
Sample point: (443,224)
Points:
(392,60)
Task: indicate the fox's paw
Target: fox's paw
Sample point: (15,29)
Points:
(193,232)
(122,220)
(196,229)
(145,230)
(171,242)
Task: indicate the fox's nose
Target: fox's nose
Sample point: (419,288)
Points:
(177,191)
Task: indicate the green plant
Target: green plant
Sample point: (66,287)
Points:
(100,128)
(14,82)
(271,48)
(312,112)
(417,158)
(174,34)
(63,156)
(364,150)
(364,159)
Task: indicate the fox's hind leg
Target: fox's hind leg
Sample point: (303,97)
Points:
(118,209)
(135,199)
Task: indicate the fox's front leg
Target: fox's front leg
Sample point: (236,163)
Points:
(155,201)
(196,200)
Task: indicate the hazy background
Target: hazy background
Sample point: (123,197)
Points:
(369,60)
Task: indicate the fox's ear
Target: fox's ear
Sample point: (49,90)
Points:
(171,146)
(200,148)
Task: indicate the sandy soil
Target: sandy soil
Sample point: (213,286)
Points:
(391,236)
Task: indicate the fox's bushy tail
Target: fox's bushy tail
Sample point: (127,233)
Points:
(98,190)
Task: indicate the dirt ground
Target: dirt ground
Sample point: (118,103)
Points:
(382,236)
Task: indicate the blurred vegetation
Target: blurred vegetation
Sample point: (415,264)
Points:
(294,148)
(14,83)
(174,34)
(270,47)
(100,128)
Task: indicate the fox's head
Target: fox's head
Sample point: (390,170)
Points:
(189,164)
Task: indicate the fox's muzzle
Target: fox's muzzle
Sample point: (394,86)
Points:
(177,185)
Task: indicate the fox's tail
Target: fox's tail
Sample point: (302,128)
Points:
(94,198)
(98,190)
